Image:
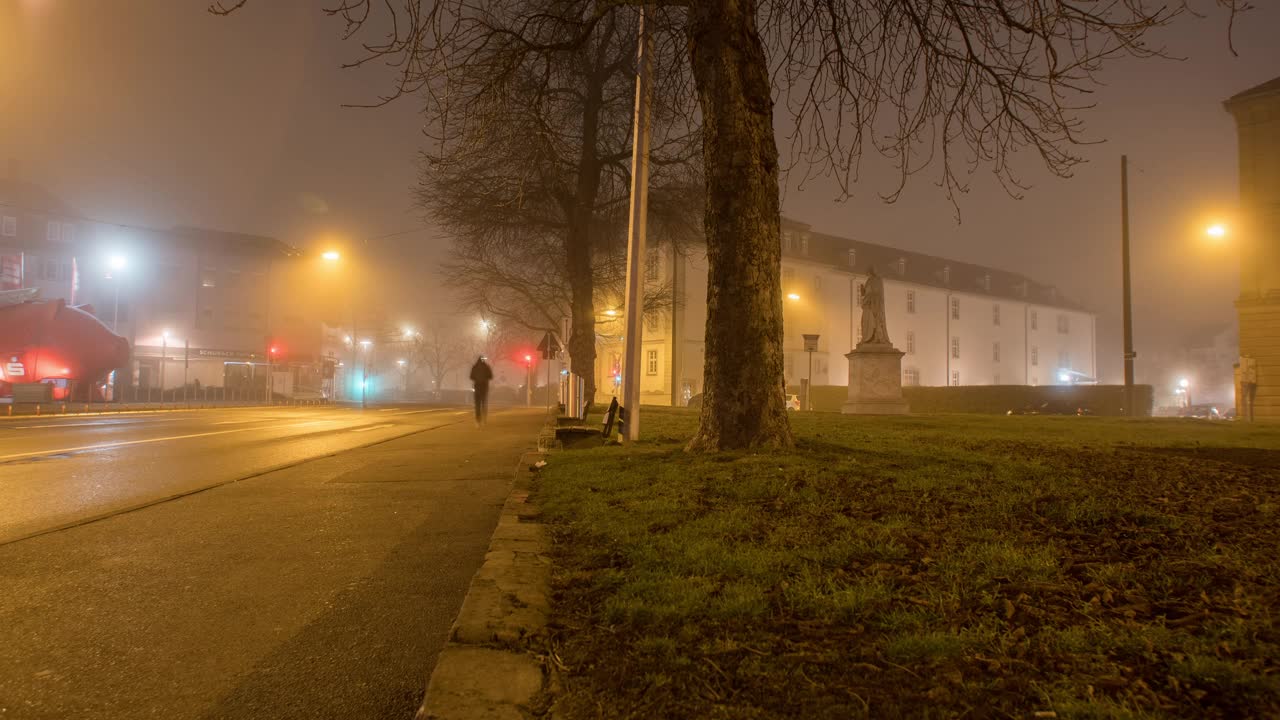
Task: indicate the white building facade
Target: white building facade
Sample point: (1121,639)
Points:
(957,323)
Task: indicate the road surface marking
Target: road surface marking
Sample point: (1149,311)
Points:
(103,423)
(127,443)
(374,427)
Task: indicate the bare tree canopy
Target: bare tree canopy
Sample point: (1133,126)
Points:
(959,83)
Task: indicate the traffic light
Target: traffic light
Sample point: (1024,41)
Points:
(528,360)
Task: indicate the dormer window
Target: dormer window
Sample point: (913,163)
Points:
(986,282)
(853,257)
(946,275)
(787,241)
(804,244)
(902,266)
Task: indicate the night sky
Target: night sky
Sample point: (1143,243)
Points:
(154,112)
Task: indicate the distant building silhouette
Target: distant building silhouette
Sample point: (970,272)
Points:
(1257,115)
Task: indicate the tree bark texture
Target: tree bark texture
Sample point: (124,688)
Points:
(744,398)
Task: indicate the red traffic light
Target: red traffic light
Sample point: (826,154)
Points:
(528,359)
(275,350)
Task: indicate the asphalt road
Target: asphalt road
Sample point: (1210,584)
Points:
(240,563)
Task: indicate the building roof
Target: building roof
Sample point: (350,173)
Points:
(913,267)
(29,197)
(1269,89)
(233,243)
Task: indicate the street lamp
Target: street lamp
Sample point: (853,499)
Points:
(1216,231)
(331,255)
(1185,386)
(793,296)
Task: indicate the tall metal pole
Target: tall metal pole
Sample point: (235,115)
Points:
(636,232)
(1128,306)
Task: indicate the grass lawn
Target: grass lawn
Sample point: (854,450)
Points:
(943,566)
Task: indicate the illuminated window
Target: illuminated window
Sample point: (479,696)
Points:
(787,240)
(804,244)
(995,352)
(911,342)
(911,301)
(651,366)
(788,274)
(1035,320)
(955,377)
(902,266)
(995,314)
(955,308)
(955,346)
(853,257)
(986,282)
(10,226)
(911,377)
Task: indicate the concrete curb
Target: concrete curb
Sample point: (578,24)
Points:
(486,671)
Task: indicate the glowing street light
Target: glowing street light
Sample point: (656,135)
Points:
(793,296)
(1184,383)
(117,262)
(409,333)
(331,255)
(1216,231)
(611,313)
(366,344)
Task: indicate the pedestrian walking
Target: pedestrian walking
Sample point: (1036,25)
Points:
(481,374)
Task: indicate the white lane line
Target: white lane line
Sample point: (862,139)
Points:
(127,443)
(102,423)
(387,409)
(374,427)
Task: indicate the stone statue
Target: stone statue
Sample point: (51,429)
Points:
(871,300)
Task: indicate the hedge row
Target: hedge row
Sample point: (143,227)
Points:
(1000,399)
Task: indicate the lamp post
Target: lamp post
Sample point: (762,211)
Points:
(164,355)
(117,264)
(1185,386)
(364,370)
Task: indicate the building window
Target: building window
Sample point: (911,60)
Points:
(955,346)
(804,244)
(911,377)
(986,282)
(787,240)
(1035,355)
(995,314)
(995,352)
(11,226)
(49,270)
(911,342)
(788,274)
(653,266)
(651,365)
(1035,320)
(1064,324)
(902,266)
(68,232)
(995,379)
(853,257)
(651,322)
(946,275)
(53,231)
(911,301)
(955,308)
(955,377)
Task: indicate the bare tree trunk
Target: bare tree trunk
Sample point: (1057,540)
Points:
(743,399)
(579,245)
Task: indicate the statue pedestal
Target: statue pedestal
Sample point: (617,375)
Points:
(875,381)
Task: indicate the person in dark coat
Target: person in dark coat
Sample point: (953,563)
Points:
(481,374)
